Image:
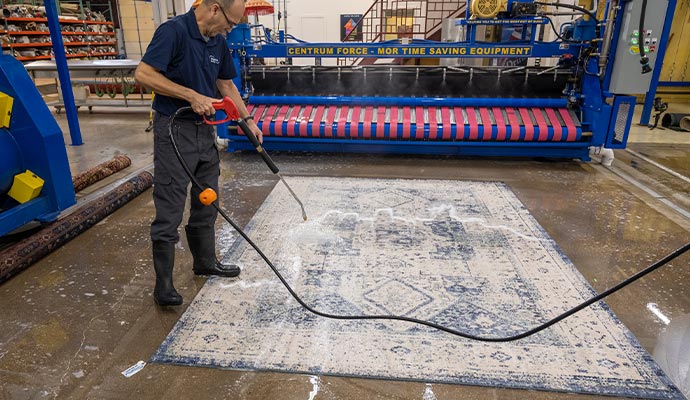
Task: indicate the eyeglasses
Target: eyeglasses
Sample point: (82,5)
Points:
(230,23)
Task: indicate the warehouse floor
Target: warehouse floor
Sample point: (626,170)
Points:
(75,320)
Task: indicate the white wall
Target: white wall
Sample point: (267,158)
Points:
(329,10)
(313,21)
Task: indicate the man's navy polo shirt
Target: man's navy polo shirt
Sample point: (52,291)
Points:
(180,53)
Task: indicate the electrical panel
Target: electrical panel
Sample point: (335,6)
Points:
(627,76)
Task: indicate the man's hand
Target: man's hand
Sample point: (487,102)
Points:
(255,130)
(203,105)
(227,88)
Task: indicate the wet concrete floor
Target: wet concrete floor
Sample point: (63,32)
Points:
(75,320)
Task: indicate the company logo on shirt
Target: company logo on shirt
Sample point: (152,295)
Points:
(213,59)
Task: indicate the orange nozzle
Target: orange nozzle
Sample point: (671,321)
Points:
(208,196)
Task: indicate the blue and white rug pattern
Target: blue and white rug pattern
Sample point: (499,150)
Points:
(463,254)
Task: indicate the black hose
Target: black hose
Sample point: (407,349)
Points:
(576,8)
(442,328)
(177,151)
(642,36)
(572,7)
(644,60)
(559,36)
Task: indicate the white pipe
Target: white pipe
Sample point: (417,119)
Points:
(222,143)
(606,155)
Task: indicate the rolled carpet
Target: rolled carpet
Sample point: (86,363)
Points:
(673,120)
(685,123)
(100,171)
(21,255)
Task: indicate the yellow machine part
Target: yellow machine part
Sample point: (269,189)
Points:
(487,8)
(6,103)
(26,186)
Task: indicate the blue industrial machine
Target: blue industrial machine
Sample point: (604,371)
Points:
(584,101)
(35,179)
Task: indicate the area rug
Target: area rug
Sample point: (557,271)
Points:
(463,254)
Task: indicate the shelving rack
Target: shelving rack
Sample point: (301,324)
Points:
(87,33)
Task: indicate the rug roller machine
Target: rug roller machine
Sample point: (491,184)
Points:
(35,179)
(583,101)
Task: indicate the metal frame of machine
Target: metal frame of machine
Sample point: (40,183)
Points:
(32,141)
(587,53)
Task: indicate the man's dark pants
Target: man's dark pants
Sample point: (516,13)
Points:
(196,142)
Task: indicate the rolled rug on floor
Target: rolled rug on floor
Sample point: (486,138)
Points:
(685,123)
(101,171)
(672,120)
(18,257)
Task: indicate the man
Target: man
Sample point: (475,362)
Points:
(188,63)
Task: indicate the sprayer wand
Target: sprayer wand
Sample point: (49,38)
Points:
(226,105)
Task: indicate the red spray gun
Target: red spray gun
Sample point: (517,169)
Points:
(208,195)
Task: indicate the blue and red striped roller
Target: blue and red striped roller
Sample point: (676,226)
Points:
(429,122)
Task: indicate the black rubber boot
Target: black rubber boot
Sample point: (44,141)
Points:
(164,294)
(202,244)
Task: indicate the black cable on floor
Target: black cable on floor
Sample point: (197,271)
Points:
(676,253)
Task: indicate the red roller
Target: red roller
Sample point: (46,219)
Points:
(266,123)
(486,123)
(419,132)
(342,119)
(368,115)
(255,111)
(500,124)
(316,124)
(282,114)
(569,124)
(330,118)
(291,120)
(472,118)
(445,119)
(380,122)
(556,124)
(514,124)
(459,123)
(471,123)
(433,123)
(527,123)
(354,123)
(543,126)
(394,123)
(407,122)
(304,121)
